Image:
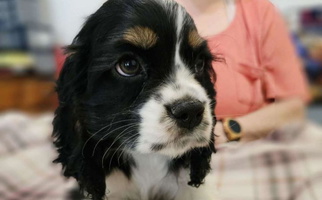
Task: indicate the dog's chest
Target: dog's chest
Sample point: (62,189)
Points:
(151,179)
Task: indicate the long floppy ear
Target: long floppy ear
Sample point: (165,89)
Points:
(200,164)
(68,123)
(200,158)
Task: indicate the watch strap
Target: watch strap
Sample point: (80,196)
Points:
(232,129)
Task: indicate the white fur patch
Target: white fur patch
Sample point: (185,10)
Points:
(151,176)
(154,130)
(118,187)
(180,20)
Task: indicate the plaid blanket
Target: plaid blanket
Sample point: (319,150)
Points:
(287,165)
(26,154)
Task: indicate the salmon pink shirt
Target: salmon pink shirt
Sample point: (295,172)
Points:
(260,64)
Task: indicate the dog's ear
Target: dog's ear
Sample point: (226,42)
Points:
(200,159)
(68,132)
(69,128)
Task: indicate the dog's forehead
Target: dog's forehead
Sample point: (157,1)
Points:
(146,22)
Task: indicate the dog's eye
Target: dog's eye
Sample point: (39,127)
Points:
(199,66)
(128,67)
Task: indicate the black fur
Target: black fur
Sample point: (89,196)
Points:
(91,104)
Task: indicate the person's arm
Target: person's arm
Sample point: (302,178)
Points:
(283,81)
(261,122)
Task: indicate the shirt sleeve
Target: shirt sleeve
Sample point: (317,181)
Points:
(284,76)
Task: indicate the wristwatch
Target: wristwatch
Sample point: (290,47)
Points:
(232,129)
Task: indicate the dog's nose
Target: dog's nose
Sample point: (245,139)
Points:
(188,114)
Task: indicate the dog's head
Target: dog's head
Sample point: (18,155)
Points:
(136,80)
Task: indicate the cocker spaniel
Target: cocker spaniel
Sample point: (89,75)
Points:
(135,117)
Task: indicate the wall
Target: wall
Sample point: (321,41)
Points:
(291,8)
(67,17)
(285,5)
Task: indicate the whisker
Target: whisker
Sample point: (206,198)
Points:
(128,142)
(93,135)
(102,138)
(123,112)
(129,148)
(114,143)
(123,143)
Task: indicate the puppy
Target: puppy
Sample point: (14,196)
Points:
(135,115)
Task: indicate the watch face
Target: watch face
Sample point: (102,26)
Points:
(234,125)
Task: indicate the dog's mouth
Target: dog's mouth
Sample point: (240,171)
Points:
(180,145)
(181,142)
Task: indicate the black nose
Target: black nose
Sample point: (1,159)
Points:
(188,114)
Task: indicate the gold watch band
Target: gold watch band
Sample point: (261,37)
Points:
(230,133)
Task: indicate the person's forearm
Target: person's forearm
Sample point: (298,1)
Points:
(261,122)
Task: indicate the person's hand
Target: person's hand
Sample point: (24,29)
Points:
(220,136)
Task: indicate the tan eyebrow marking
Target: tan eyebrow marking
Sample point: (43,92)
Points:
(194,39)
(141,36)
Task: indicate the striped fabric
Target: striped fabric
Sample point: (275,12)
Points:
(19,131)
(285,166)
(26,154)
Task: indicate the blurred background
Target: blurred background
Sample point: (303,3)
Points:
(32,34)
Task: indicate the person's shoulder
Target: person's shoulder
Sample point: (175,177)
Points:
(259,8)
(261,5)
